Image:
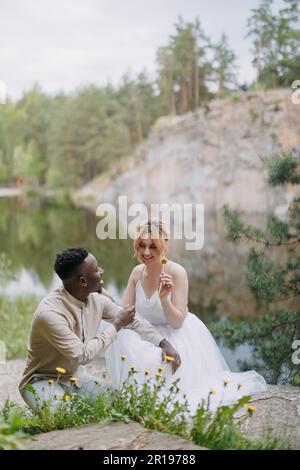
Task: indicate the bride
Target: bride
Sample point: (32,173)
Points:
(159,289)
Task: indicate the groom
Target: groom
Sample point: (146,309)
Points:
(64,331)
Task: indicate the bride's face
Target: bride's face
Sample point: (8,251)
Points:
(147,251)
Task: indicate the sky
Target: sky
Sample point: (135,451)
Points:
(65,44)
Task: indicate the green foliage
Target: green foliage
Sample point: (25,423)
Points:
(283,169)
(15,318)
(276,41)
(224,66)
(146,404)
(11,423)
(220,430)
(271,336)
(64,141)
(270,339)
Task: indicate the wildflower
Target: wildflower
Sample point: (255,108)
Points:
(163,260)
(73,379)
(132,368)
(160,368)
(67,398)
(158,375)
(50,381)
(226,382)
(239,386)
(60,370)
(213,391)
(146,372)
(250,408)
(169,358)
(123,357)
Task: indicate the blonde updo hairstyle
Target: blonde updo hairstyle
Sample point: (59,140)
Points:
(157,231)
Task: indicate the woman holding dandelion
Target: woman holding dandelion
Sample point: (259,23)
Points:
(159,289)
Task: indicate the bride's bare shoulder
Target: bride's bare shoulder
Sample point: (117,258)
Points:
(136,272)
(176,268)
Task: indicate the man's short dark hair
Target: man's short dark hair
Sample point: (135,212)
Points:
(68,260)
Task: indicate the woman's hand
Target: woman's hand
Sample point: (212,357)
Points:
(166,284)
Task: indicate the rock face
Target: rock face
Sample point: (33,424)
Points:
(211,156)
(277,410)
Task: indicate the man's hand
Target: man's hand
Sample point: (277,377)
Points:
(125,317)
(168,350)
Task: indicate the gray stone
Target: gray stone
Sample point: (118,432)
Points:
(108,436)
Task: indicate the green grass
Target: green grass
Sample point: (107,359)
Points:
(142,404)
(15,318)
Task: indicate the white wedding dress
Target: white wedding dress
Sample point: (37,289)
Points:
(202,365)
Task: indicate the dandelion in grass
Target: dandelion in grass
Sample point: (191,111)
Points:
(60,371)
(250,408)
(73,381)
(213,391)
(225,383)
(66,398)
(160,368)
(146,372)
(132,370)
(123,358)
(158,375)
(50,381)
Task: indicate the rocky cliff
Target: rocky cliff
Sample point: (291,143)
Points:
(209,156)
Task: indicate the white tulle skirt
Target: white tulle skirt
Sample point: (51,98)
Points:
(202,369)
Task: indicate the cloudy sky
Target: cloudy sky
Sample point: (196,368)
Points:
(63,44)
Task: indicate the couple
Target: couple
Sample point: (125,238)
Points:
(154,323)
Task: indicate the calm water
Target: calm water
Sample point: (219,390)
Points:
(32,234)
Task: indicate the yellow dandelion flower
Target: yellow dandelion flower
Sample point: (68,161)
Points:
(213,391)
(160,368)
(226,382)
(169,358)
(123,357)
(250,408)
(73,379)
(146,372)
(50,381)
(60,370)
(67,398)
(133,368)
(158,375)
(163,260)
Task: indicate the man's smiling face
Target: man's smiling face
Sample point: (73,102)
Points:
(91,273)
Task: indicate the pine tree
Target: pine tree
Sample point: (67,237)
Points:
(273,284)
(224,66)
(276,40)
